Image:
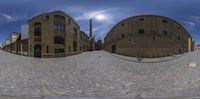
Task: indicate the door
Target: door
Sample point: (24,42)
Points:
(113,49)
(37,51)
(18,49)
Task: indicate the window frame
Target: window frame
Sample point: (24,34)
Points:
(59,40)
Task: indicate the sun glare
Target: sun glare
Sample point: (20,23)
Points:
(100,17)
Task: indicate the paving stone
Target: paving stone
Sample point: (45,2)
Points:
(97,75)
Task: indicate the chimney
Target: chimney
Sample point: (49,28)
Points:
(90,28)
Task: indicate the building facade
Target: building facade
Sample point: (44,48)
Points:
(86,42)
(148,36)
(15,37)
(53,34)
(16,44)
(197,47)
(98,45)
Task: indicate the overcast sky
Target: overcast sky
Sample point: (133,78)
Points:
(105,13)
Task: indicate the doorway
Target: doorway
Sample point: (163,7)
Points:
(113,49)
(37,51)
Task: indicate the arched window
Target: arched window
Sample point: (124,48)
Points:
(59,40)
(37,29)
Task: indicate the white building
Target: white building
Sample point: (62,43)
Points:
(7,42)
(197,47)
(15,36)
(24,31)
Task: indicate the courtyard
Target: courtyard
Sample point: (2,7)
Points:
(98,75)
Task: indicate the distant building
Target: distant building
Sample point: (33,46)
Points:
(15,37)
(24,30)
(86,42)
(148,36)
(7,42)
(197,47)
(16,44)
(98,45)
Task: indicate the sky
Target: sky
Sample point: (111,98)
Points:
(105,13)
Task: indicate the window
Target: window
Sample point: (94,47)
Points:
(74,30)
(164,21)
(75,33)
(164,33)
(47,17)
(113,30)
(37,31)
(75,46)
(59,17)
(179,38)
(69,49)
(154,38)
(122,24)
(69,20)
(81,37)
(141,19)
(140,31)
(180,51)
(59,26)
(59,50)
(59,40)
(122,36)
(47,49)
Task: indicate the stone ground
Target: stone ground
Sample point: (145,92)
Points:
(98,75)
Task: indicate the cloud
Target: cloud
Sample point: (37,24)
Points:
(92,15)
(5,18)
(189,24)
(196,18)
(191,21)
(102,20)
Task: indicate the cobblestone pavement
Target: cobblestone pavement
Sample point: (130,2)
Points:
(98,75)
(148,60)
